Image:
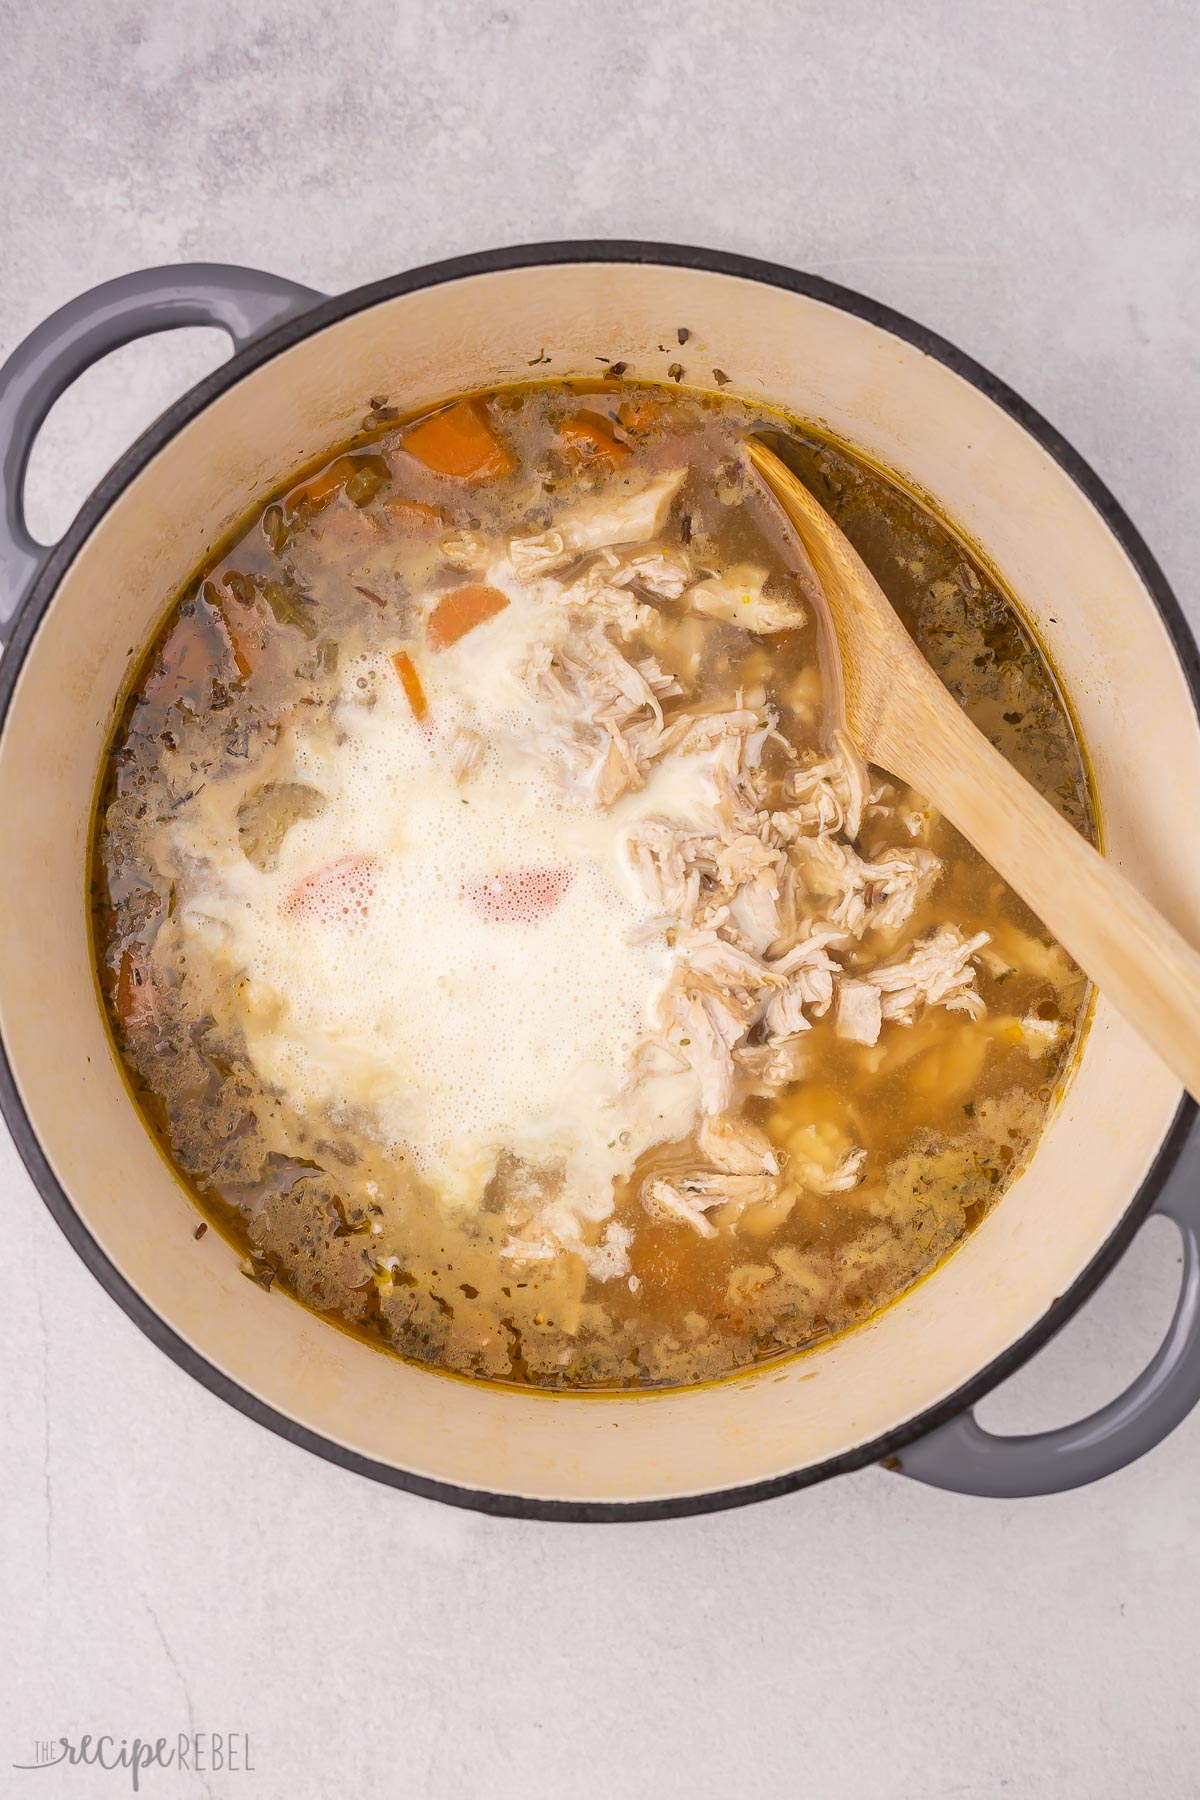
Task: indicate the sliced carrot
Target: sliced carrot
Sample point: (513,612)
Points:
(588,438)
(359,476)
(195,650)
(246,646)
(237,609)
(321,489)
(412,515)
(341,892)
(460,611)
(133,994)
(410,681)
(640,417)
(460,441)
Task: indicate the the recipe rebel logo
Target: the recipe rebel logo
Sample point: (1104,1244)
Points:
(188,1753)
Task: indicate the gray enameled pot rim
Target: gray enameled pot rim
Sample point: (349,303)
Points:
(294,331)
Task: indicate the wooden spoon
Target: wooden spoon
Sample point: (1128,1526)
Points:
(903,720)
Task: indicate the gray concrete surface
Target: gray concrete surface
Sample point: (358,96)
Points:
(1021,177)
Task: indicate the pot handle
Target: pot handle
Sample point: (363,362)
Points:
(242,302)
(965,1458)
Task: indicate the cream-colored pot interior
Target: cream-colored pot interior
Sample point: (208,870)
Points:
(903,408)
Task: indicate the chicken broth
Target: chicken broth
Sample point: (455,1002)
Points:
(504,942)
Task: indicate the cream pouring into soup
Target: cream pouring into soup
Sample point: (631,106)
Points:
(504,942)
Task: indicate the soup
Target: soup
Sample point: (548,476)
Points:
(505,943)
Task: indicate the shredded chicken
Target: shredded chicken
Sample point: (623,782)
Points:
(737,774)
(831,794)
(995,964)
(609,1259)
(535,554)
(664,573)
(937,971)
(613,585)
(1036,1036)
(616,771)
(859,1012)
(769,1067)
(1042,1034)
(768,906)
(662,856)
(709,953)
(707,1022)
(665,685)
(535,1246)
(605,524)
(846,1174)
(607,710)
(754,909)
(860,895)
(465,751)
(745,858)
(619,607)
(807,971)
(689,1199)
(737,1147)
(736,598)
(699,732)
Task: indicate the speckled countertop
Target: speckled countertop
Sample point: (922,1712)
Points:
(1023,179)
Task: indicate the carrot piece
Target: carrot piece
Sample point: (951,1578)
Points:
(194,652)
(639,417)
(460,611)
(341,892)
(246,647)
(320,490)
(133,994)
(360,476)
(242,619)
(410,681)
(460,441)
(588,438)
(412,515)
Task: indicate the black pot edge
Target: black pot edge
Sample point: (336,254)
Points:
(188,407)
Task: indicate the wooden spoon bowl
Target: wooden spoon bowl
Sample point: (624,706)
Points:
(903,720)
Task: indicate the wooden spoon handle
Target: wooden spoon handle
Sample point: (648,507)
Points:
(1149,972)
